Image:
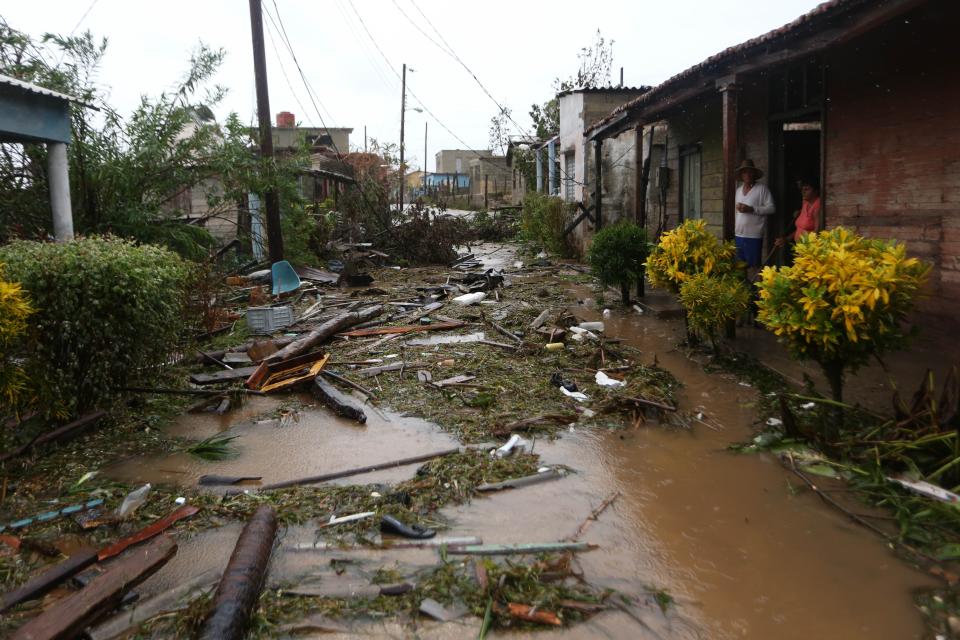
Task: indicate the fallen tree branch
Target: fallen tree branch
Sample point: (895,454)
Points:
(593,516)
(325,331)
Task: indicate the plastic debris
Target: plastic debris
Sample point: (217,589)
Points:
(554,346)
(133,501)
(468,299)
(606,381)
(808,405)
(515,443)
(592,326)
(576,395)
(925,488)
(774,422)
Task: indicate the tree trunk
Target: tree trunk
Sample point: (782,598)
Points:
(834,422)
(625,293)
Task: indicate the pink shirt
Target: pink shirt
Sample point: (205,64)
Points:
(806,222)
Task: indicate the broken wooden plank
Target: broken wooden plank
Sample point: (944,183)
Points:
(147,532)
(44,582)
(519,549)
(540,319)
(241,373)
(454,381)
(211,479)
(375,371)
(243,579)
(68,617)
(506,332)
(174,599)
(337,401)
(525,481)
(326,330)
(360,470)
(413,328)
(287,379)
(491,343)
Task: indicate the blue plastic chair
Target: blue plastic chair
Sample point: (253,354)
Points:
(284,278)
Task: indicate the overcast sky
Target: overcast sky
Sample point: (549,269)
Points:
(515,47)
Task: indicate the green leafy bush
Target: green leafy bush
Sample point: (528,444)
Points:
(617,255)
(107,312)
(15,309)
(712,301)
(543,220)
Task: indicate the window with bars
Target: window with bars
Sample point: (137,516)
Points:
(569,170)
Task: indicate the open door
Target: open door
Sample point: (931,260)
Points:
(794,155)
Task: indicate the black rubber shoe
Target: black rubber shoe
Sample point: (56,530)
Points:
(389,524)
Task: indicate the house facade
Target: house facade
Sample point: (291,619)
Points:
(863,96)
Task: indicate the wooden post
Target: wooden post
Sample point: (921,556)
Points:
(731,137)
(598,169)
(485,191)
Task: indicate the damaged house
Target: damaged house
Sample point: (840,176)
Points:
(863,95)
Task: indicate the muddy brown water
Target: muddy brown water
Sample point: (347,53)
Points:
(744,554)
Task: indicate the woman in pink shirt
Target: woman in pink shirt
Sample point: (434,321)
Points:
(809,217)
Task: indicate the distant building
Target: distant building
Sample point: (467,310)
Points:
(457,161)
(287,136)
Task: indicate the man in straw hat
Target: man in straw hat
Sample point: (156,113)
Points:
(753,204)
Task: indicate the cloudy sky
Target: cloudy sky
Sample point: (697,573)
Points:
(351,52)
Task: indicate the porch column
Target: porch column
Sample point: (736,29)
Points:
(552,167)
(539,156)
(598,162)
(731,139)
(58,181)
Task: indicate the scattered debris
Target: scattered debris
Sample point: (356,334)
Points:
(525,481)
(69,616)
(50,578)
(132,501)
(531,614)
(606,381)
(147,532)
(390,524)
(47,516)
(243,578)
(215,480)
(432,608)
(520,549)
(337,402)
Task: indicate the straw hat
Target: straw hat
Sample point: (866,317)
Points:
(748,164)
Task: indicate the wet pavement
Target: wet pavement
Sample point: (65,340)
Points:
(743,552)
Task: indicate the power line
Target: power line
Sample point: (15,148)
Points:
(310,94)
(503,110)
(83,17)
(414,95)
(283,70)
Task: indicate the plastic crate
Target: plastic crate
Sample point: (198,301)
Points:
(264,320)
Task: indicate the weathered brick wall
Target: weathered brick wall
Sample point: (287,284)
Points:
(893,143)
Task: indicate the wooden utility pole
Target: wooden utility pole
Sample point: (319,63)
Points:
(731,137)
(425,124)
(403,112)
(365,138)
(270,198)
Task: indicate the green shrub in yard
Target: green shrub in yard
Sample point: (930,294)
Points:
(15,310)
(617,255)
(107,312)
(543,220)
(711,302)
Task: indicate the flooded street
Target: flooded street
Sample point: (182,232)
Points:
(743,553)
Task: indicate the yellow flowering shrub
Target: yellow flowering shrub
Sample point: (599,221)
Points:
(686,251)
(712,301)
(14,311)
(842,301)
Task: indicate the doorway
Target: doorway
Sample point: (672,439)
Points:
(794,156)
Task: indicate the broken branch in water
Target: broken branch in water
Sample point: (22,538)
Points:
(594,515)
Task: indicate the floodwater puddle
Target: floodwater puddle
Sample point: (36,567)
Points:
(311,441)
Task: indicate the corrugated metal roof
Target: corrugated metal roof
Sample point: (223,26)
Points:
(805,23)
(34,88)
(606,90)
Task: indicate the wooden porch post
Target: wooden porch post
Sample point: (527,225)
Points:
(598,161)
(731,139)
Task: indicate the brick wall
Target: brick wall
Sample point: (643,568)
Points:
(893,143)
